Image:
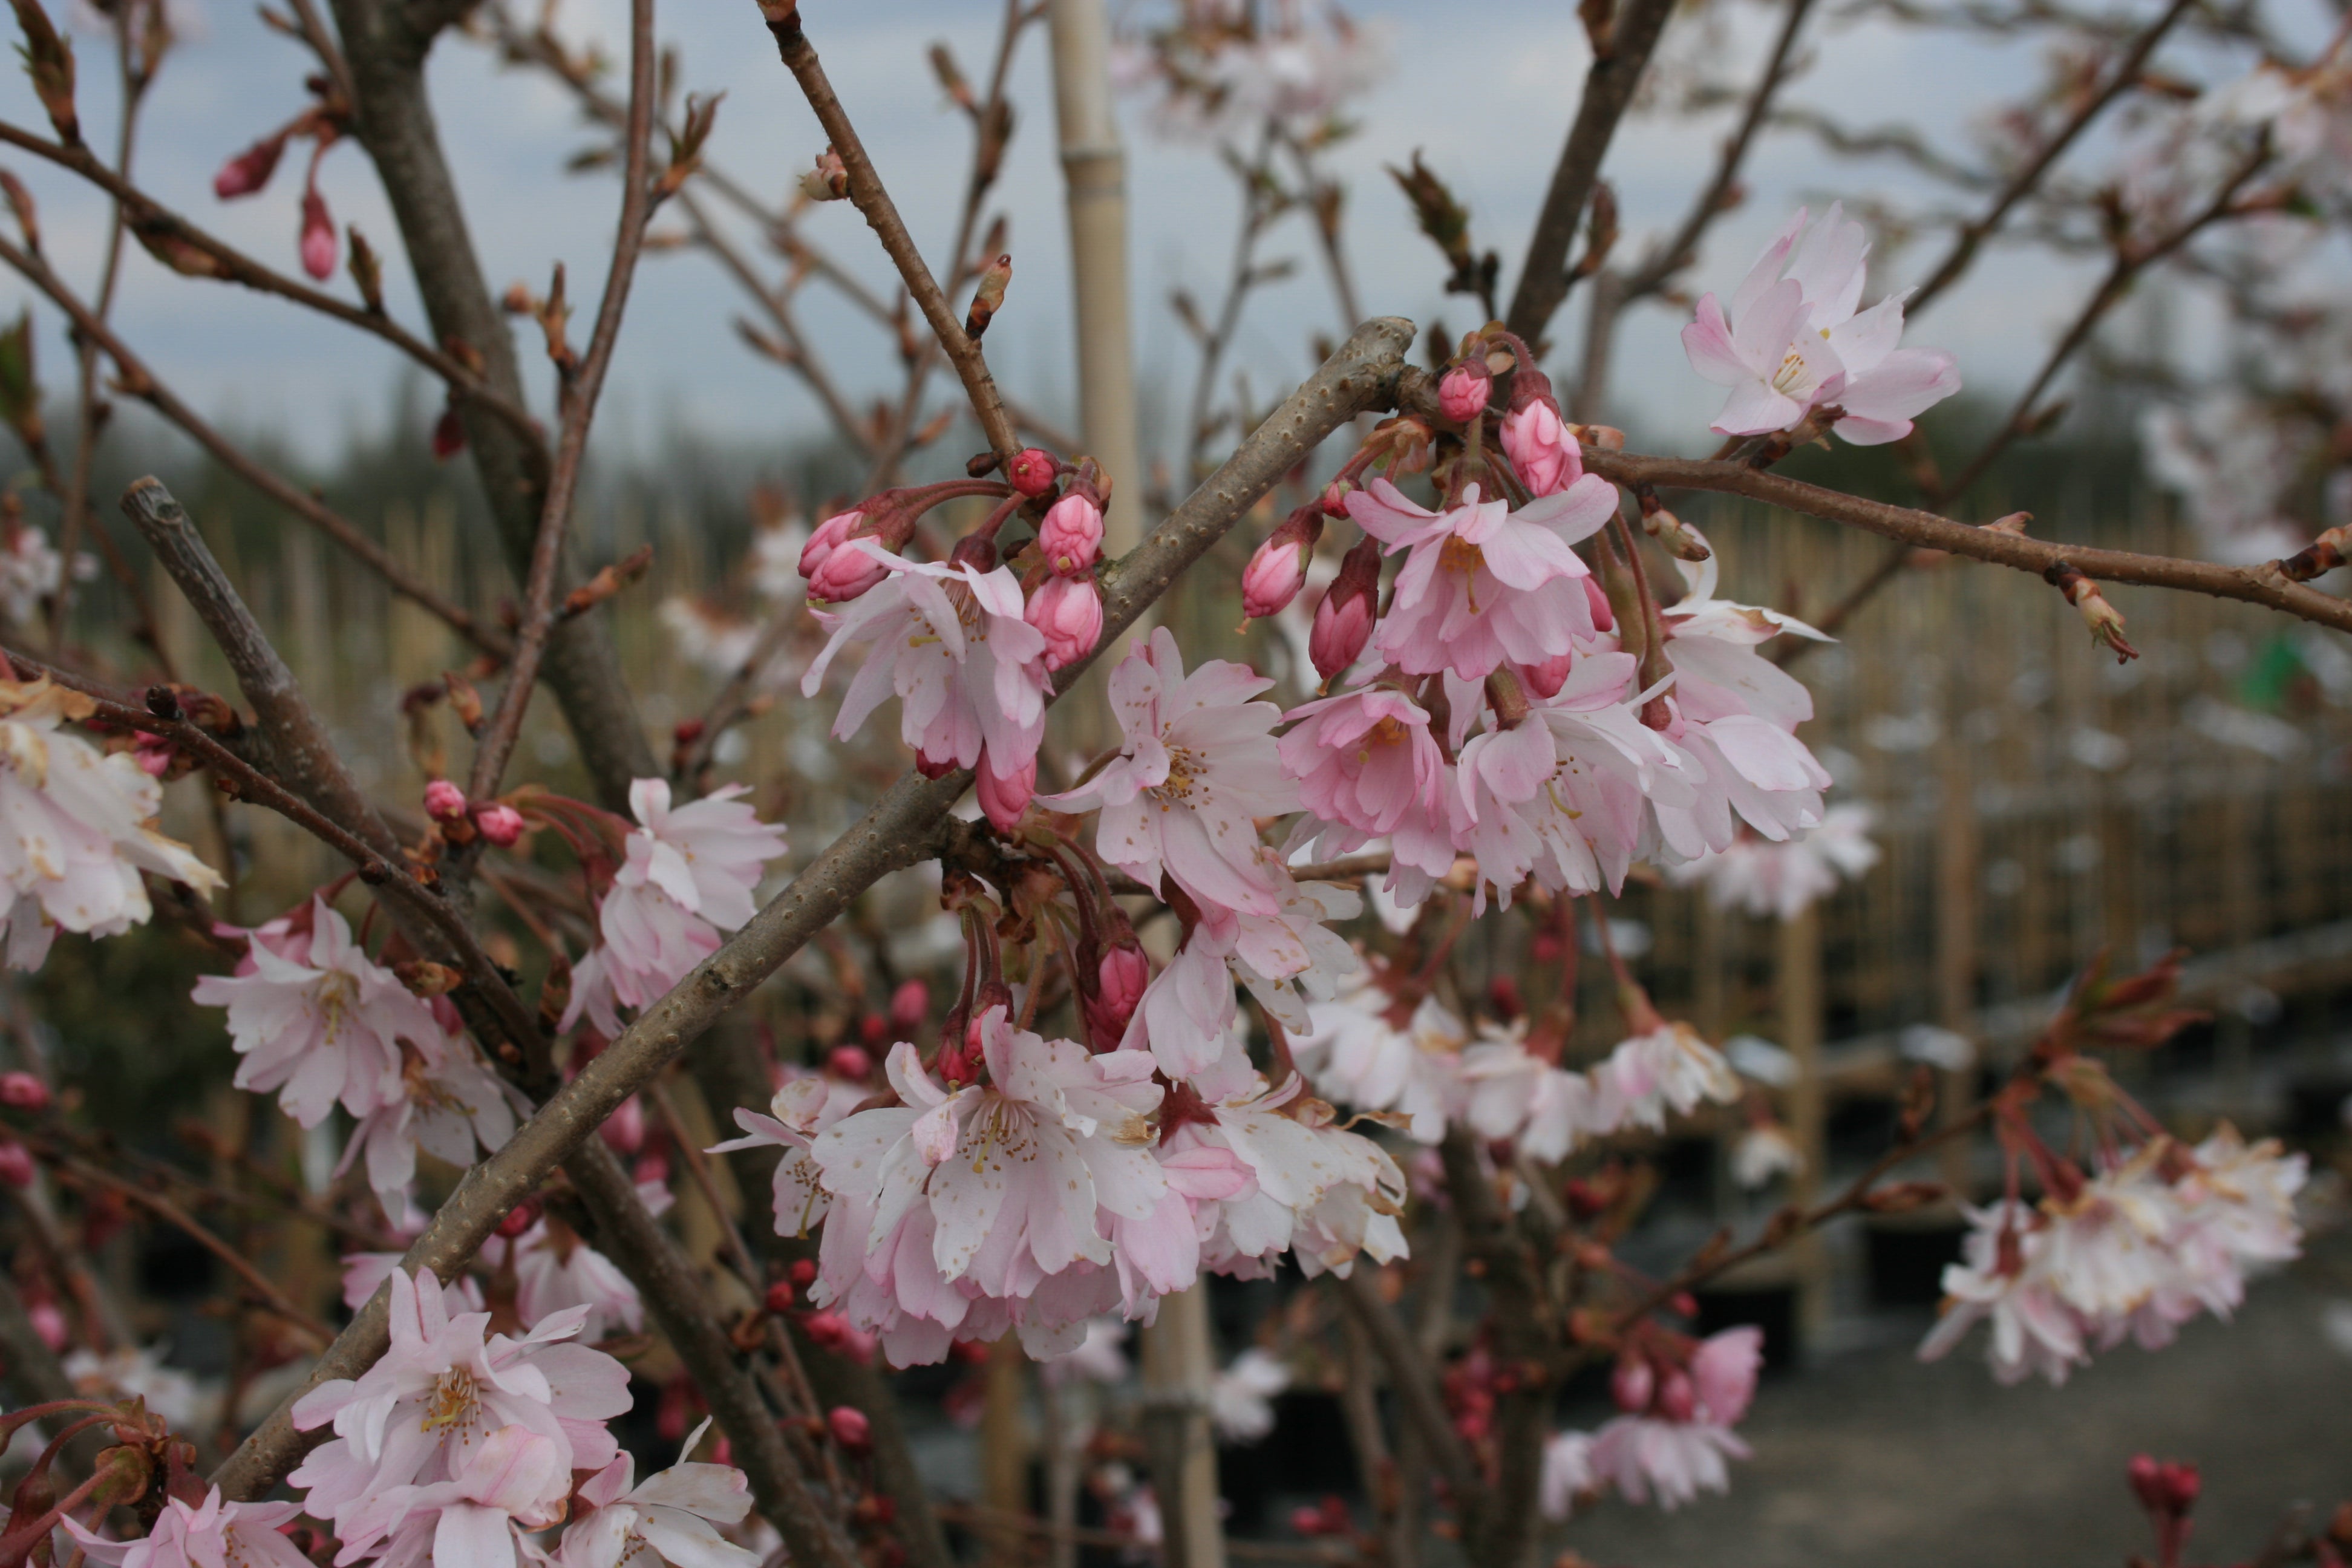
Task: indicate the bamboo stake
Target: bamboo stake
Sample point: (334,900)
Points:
(1176,1372)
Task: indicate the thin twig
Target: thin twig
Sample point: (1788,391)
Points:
(866,193)
(538,614)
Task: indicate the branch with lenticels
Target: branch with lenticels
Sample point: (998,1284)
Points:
(2267,584)
(906,825)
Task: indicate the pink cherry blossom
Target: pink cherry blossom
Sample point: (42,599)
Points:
(501,825)
(1724,1369)
(671,1515)
(2011,1287)
(688,874)
(1567,1472)
(1004,796)
(1782,881)
(1482,583)
(1791,340)
(1069,613)
(1676,1460)
(513,1480)
(951,642)
(1665,1067)
(206,1535)
(439,1394)
(445,1101)
(444,801)
(1366,761)
(1197,765)
(803,1108)
(1508,1091)
(555,1271)
(1611,772)
(317,1020)
(1368,1050)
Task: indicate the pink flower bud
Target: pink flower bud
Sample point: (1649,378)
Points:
(1541,448)
(909,1006)
(828,537)
(1003,797)
(249,170)
(1070,538)
(1462,393)
(1631,1385)
(1677,1397)
(625,1130)
(501,825)
(1544,680)
(1068,610)
(23,1091)
(851,1062)
(15,1163)
(1278,570)
(1343,621)
(50,1324)
(1122,975)
(849,1429)
(1031,472)
(152,753)
(444,802)
(1603,617)
(317,237)
(843,574)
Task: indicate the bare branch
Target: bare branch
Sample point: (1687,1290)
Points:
(1617,66)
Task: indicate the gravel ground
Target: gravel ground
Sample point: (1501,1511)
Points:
(1873,1459)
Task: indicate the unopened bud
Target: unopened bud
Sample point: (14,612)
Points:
(1677,1398)
(15,1163)
(249,170)
(843,574)
(1068,611)
(1278,569)
(2106,622)
(317,237)
(444,801)
(501,825)
(1004,796)
(1119,980)
(779,1298)
(2013,524)
(989,298)
(1631,1385)
(1541,448)
(851,1062)
(1343,621)
(23,1091)
(1032,471)
(829,181)
(1544,680)
(849,1427)
(1462,393)
(1071,537)
(521,1218)
(909,1006)
(1681,539)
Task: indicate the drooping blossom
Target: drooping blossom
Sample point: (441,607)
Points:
(31,570)
(687,875)
(1567,1472)
(210,1534)
(556,1272)
(1610,773)
(671,1515)
(1069,613)
(445,1101)
(1644,1456)
(1482,583)
(801,1108)
(949,639)
(314,1018)
(1366,762)
(438,1394)
(1763,1151)
(77,834)
(1099,1360)
(1373,1050)
(1213,81)
(1508,1091)
(1197,766)
(1287,961)
(511,1481)
(2004,1278)
(1790,340)
(1782,881)
(1665,1065)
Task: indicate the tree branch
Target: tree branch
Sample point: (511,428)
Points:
(866,194)
(1618,62)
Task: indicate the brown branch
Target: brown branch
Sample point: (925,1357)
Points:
(906,825)
(2265,584)
(140,382)
(1416,1391)
(582,389)
(153,219)
(1973,234)
(866,192)
(1618,62)
(397,126)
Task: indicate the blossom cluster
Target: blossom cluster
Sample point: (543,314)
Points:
(2132,1251)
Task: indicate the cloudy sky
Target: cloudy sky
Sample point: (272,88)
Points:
(1483,90)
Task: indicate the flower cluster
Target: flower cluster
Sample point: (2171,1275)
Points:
(2131,1252)
(313,1017)
(1221,70)
(1678,1403)
(1782,881)
(79,833)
